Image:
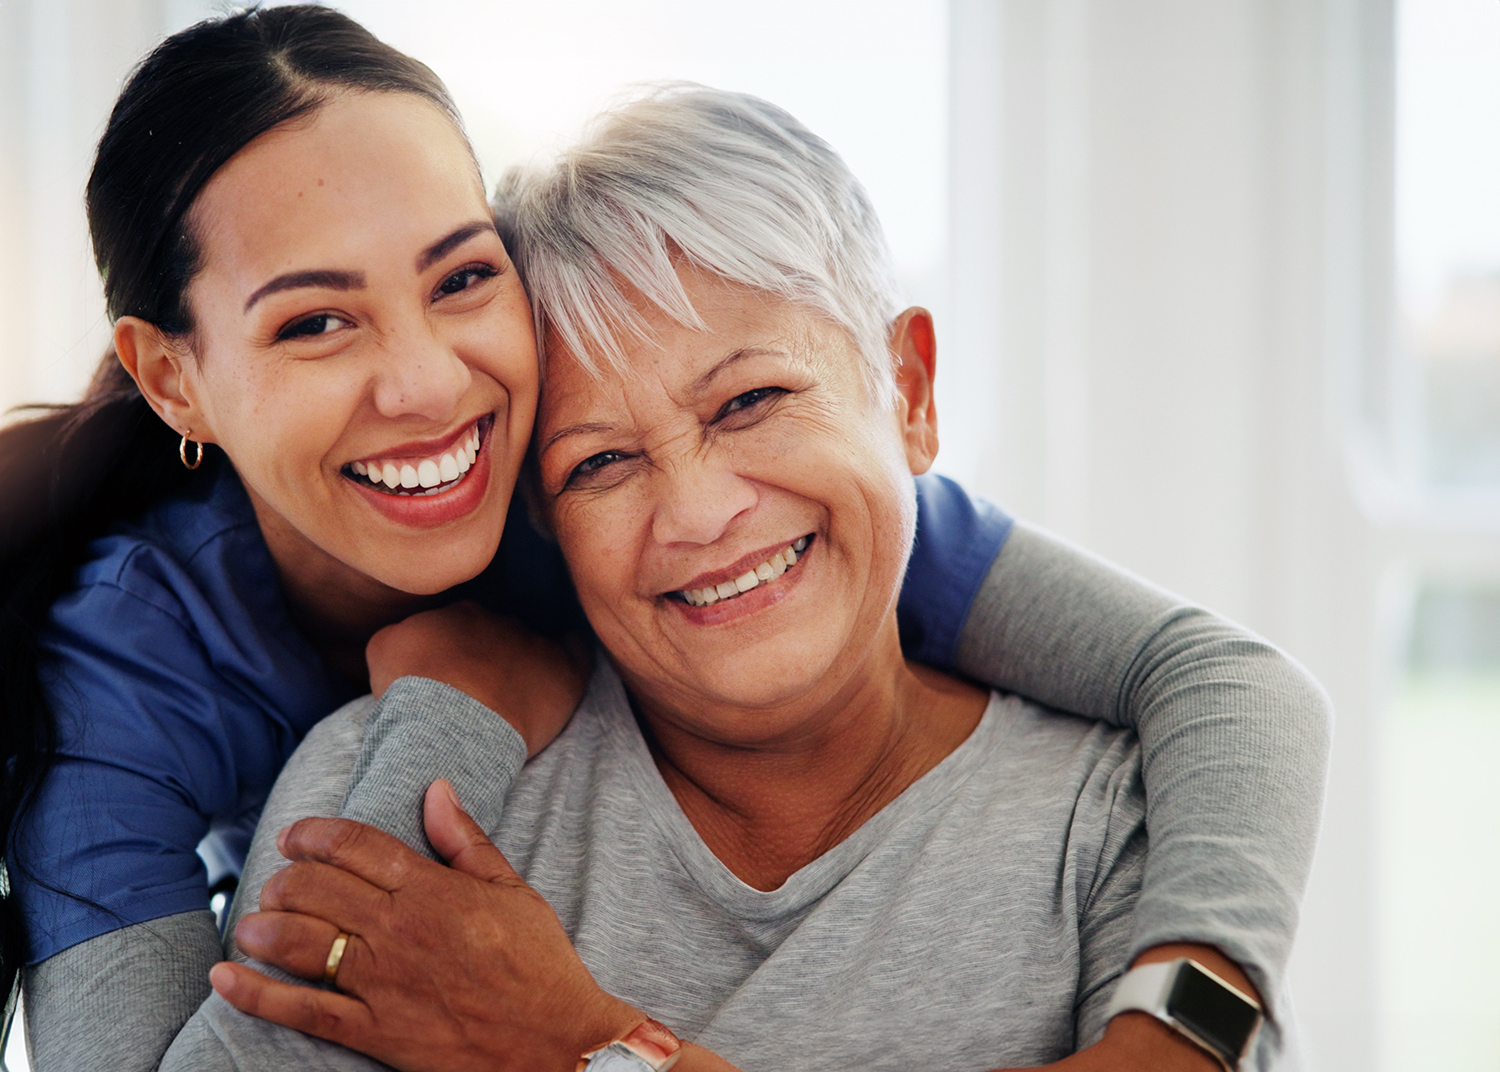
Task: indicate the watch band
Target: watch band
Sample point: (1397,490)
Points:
(1209,1012)
(647,1047)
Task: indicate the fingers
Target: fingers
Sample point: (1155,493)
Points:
(294,942)
(336,1017)
(317,889)
(361,850)
(459,839)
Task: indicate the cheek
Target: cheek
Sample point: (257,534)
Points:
(600,540)
(274,422)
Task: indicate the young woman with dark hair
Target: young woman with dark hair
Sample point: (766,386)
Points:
(303,272)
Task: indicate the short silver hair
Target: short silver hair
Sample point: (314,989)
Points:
(727,181)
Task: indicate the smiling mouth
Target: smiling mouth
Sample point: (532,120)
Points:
(768,572)
(422,476)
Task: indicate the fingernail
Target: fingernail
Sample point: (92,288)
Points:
(222,979)
(448,790)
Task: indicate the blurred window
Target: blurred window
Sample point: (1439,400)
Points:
(1440,825)
(1448,240)
(1438,813)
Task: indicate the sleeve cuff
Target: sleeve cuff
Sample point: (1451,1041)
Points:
(423,730)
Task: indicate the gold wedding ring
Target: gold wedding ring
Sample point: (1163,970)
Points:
(335,955)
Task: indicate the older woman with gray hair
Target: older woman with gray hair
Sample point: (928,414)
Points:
(765,840)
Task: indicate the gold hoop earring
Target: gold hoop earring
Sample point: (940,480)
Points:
(182,451)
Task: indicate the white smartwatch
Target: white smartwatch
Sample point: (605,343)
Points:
(1194,1002)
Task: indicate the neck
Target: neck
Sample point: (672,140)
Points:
(336,607)
(770,808)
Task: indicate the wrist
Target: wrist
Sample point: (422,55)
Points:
(1136,1040)
(609,1020)
(1205,955)
(1190,1001)
(649,1046)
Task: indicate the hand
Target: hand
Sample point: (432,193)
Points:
(1137,1042)
(447,969)
(532,683)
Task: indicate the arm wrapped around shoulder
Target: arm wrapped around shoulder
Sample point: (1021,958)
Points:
(1234,735)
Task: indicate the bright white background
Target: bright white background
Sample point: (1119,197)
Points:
(1159,238)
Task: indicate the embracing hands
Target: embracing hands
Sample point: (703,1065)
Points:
(531,682)
(449,969)
(446,968)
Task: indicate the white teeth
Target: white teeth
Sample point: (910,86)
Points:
(767,571)
(800,545)
(427,474)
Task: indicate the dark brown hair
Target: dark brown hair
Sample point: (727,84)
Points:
(199,98)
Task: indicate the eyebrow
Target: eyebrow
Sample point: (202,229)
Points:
(334,279)
(318,277)
(448,243)
(703,381)
(573,430)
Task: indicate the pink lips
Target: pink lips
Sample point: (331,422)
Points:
(746,603)
(440,507)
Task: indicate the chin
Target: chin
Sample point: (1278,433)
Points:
(759,680)
(432,570)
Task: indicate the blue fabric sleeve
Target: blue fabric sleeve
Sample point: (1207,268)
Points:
(179,690)
(145,760)
(958,539)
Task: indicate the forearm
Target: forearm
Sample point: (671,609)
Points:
(118,1000)
(1234,737)
(422,731)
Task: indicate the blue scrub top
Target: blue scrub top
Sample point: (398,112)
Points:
(181,687)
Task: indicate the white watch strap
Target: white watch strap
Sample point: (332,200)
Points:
(1144,988)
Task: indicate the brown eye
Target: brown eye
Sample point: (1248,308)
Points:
(465,278)
(590,466)
(749,400)
(319,324)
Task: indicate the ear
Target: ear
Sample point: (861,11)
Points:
(914,351)
(158,365)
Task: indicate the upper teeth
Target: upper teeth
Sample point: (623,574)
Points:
(768,570)
(427,473)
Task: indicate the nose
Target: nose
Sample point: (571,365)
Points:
(698,501)
(420,375)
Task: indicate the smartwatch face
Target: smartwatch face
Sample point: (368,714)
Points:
(1206,1008)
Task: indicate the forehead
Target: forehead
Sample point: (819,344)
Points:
(741,327)
(364,173)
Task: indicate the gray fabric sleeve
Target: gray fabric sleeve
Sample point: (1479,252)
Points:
(411,741)
(117,1000)
(338,766)
(1234,737)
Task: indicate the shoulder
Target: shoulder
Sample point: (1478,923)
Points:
(182,609)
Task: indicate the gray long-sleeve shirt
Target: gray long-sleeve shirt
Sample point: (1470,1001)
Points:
(1233,734)
(975,922)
